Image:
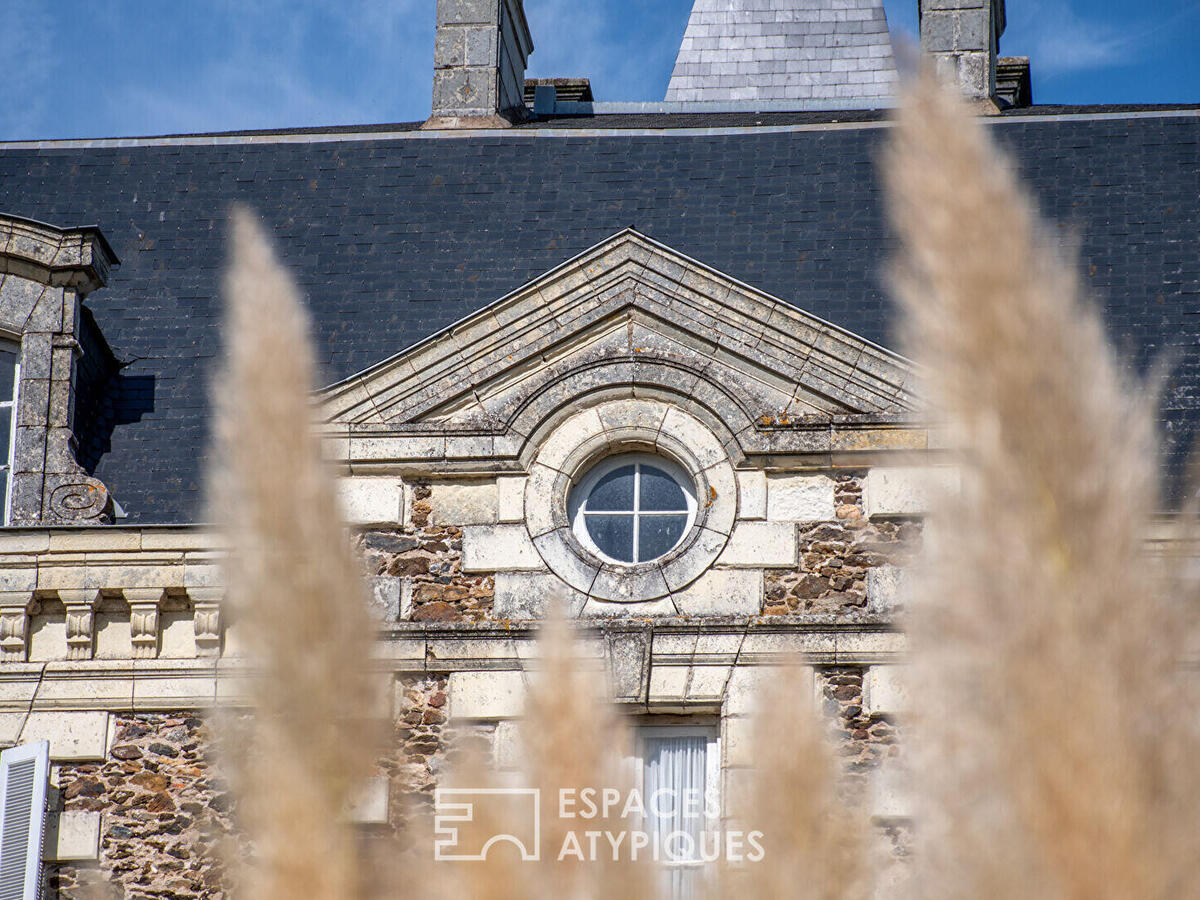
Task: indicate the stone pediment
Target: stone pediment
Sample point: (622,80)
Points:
(629,317)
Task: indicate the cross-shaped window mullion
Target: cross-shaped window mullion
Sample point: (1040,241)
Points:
(637,507)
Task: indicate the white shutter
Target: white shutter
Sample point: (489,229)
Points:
(24,774)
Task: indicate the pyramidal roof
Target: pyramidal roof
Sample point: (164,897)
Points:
(828,53)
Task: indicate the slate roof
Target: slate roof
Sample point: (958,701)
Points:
(784,50)
(393,238)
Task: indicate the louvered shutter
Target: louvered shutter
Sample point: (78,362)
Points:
(23,781)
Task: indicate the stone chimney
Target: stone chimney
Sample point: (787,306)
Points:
(479,64)
(962,38)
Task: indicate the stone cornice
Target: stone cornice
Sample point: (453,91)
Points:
(79,258)
(629,317)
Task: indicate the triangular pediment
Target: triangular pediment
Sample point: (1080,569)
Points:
(628,314)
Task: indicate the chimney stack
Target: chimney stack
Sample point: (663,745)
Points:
(479,64)
(962,37)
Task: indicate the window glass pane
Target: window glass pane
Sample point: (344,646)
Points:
(8,364)
(613,535)
(658,534)
(613,492)
(5,480)
(6,416)
(660,491)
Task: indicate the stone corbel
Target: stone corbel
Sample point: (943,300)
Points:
(81,621)
(144,606)
(206,618)
(14,625)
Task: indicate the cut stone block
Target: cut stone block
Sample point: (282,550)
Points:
(391,597)
(499,548)
(887,588)
(372,501)
(762,544)
(800,498)
(746,682)
(369,805)
(906,490)
(71,836)
(487,695)
(177,628)
(510,498)
(506,747)
(527,595)
(73,736)
(885,691)
(752,495)
(464,503)
(668,685)
(722,592)
(891,793)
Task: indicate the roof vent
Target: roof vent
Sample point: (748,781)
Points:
(566,90)
(1014,89)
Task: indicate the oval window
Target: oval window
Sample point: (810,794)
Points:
(633,508)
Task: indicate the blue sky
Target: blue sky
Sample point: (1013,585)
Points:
(95,68)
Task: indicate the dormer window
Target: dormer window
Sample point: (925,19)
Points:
(10,355)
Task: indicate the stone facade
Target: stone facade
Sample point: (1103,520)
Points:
(165,816)
(458,460)
(45,272)
(836,557)
(164,809)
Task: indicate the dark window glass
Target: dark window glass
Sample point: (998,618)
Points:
(613,492)
(6,415)
(613,535)
(8,367)
(658,534)
(660,491)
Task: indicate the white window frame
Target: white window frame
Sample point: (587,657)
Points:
(11,404)
(583,489)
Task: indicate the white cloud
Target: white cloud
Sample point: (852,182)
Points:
(1063,41)
(1059,40)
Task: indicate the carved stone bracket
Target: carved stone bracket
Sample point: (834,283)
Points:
(77,500)
(14,625)
(206,606)
(81,619)
(144,605)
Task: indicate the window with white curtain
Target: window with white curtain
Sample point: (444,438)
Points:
(10,355)
(680,770)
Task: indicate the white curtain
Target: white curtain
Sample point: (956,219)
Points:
(674,798)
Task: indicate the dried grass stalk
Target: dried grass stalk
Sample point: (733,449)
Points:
(294,588)
(571,737)
(1059,754)
(814,837)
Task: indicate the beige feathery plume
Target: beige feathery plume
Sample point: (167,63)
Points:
(814,838)
(571,737)
(294,588)
(1058,752)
